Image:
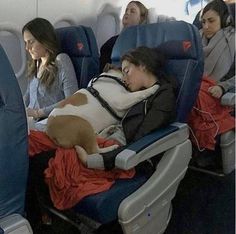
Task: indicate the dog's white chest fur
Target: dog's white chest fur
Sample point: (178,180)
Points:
(118,98)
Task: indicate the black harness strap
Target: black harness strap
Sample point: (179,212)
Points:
(96,94)
(104,104)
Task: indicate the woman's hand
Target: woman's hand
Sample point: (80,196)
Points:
(216,91)
(35,113)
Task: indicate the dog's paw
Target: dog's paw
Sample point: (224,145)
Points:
(154,88)
(108,131)
(107,149)
(82,154)
(149,91)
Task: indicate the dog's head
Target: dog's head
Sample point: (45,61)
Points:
(116,73)
(111,69)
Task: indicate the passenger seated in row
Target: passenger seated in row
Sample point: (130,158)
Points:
(231,6)
(135,13)
(139,72)
(218,40)
(51,76)
(142,68)
(208,118)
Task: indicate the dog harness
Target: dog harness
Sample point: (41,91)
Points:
(103,102)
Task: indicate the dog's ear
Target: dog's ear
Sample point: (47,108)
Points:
(109,66)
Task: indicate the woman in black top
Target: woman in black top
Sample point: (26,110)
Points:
(142,68)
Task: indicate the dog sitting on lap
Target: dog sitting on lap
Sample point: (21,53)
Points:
(78,118)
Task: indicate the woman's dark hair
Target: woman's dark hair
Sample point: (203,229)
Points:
(43,31)
(153,60)
(143,11)
(221,8)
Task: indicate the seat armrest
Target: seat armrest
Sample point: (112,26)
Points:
(15,223)
(151,145)
(228,99)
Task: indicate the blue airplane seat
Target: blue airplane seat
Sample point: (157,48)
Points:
(13,151)
(80,44)
(143,204)
(183,49)
(13,164)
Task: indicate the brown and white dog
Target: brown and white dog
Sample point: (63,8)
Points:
(78,118)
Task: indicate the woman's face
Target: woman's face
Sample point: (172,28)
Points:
(35,48)
(211,23)
(132,15)
(135,77)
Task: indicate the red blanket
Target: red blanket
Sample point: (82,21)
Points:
(68,180)
(209,118)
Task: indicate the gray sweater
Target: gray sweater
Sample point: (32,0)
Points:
(38,97)
(219,55)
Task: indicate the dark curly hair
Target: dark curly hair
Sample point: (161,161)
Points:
(153,60)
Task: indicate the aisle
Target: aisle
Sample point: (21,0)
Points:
(204,205)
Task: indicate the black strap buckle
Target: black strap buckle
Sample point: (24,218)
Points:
(93,91)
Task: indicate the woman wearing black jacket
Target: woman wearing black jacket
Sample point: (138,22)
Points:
(142,68)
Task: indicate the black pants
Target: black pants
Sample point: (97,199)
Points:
(37,192)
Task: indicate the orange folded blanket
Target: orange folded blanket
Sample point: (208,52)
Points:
(68,179)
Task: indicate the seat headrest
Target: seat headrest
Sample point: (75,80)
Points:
(181,43)
(80,44)
(177,49)
(74,41)
(179,35)
(108,23)
(152,15)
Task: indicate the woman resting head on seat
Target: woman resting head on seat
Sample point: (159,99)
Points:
(51,76)
(135,13)
(218,39)
(142,67)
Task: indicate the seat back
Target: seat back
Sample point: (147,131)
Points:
(141,204)
(108,23)
(13,142)
(153,17)
(182,45)
(80,44)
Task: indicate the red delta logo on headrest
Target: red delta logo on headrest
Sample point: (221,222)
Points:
(186,45)
(80,46)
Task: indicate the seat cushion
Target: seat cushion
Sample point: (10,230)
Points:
(102,207)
